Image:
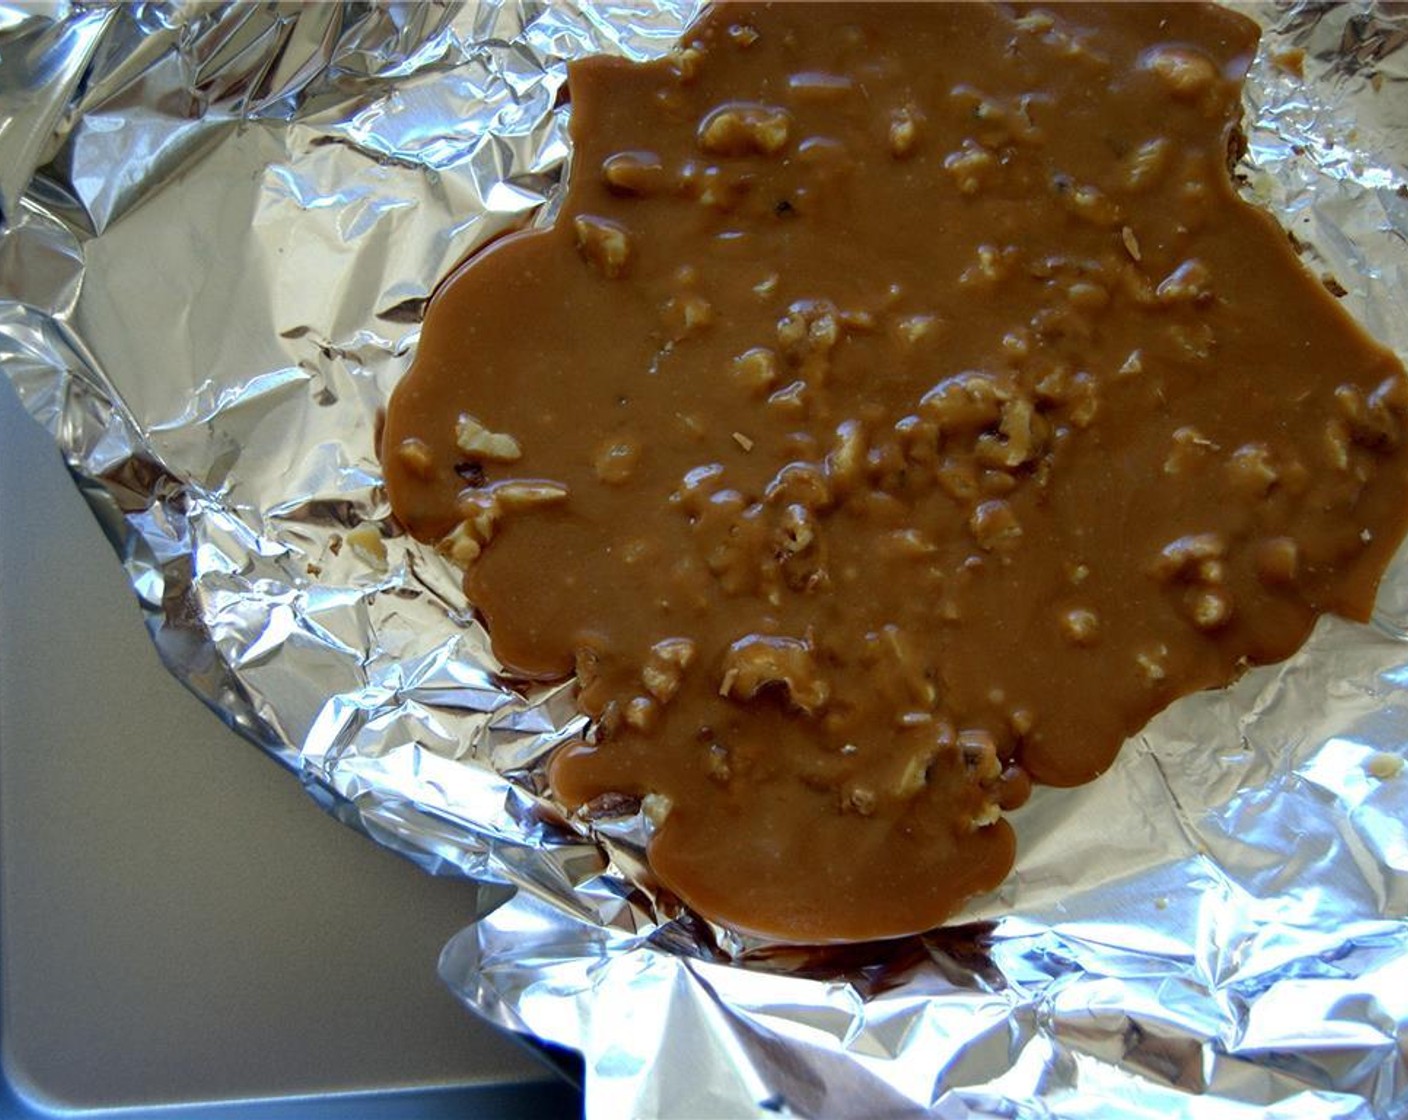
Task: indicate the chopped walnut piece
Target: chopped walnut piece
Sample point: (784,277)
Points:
(1080,626)
(664,669)
(1091,204)
(904,131)
(1372,421)
(1251,469)
(745,35)
(1131,244)
(687,62)
(1020,440)
(1210,608)
(970,166)
(858,799)
(365,540)
(846,463)
(1190,448)
(688,314)
(803,483)
(656,807)
(475,439)
(517,494)
(1146,164)
(912,329)
(755,369)
(744,128)
(1187,75)
(1183,556)
(760,661)
(415,454)
(641,713)
(798,531)
(462,545)
(1190,282)
(1153,663)
(616,460)
(994,526)
(604,244)
(634,173)
(964,402)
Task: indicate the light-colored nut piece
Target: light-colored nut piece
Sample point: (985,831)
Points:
(716,762)
(687,62)
(1190,449)
(744,34)
(803,483)
(994,526)
(1131,244)
(759,661)
(1186,74)
(1210,608)
(462,546)
(992,267)
(664,669)
(633,173)
(744,128)
(913,329)
(964,402)
(616,460)
(1152,663)
(474,439)
(365,540)
(688,314)
(755,369)
(970,166)
(1384,766)
(415,456)
(604,244)
(798,530)
(904,131)
(1374,420)
(641,713)
(1146,164)
(1020,440)
(1251,469)
(519,494)
(1080,626)
(845,464)
(1091,204)
(858,799)
(1182,557)
(1337,444)
(1190,282)
(656,807)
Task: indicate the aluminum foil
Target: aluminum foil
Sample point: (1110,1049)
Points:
(219,226)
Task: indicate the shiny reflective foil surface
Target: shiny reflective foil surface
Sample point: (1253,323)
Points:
(219,226)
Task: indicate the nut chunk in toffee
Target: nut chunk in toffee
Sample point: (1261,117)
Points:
(903,408)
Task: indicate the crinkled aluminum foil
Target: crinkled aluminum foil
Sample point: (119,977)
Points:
(220,228)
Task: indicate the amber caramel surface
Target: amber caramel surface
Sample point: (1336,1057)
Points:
(902,409)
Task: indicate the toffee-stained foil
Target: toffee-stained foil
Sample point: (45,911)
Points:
(219,226)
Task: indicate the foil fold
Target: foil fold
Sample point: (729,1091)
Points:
(219,226)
